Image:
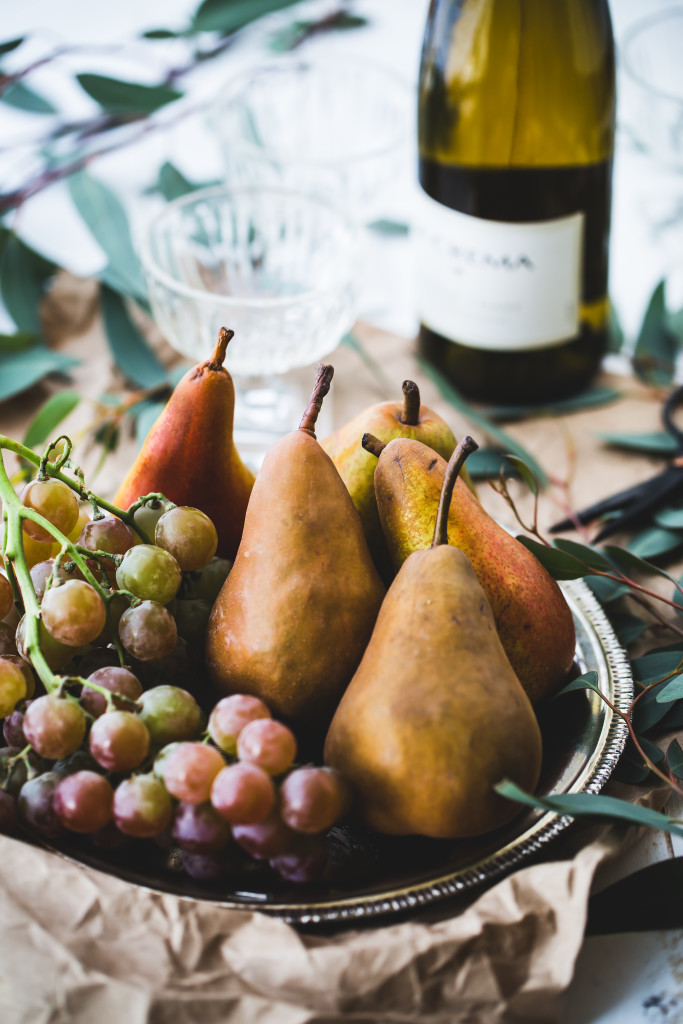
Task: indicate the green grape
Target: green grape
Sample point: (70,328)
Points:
(189,535)
(147,516)
(12,687)
(170,714)
(207,585)
(74,613)
(6,596)
(150,573)
(142,807)
(56,654)
(192,620)
(55,501)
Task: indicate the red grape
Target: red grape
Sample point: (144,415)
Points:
(267,743)
(142,807)
(74,613)
(54,726)
(119,741)
(36,804)
(305,862)
(243,793)
(42,571)
(312,799)
(189,535)
(197,828)
(216,867)
(230,715)
(189,771)
(9,818)
(107,534)
(116,680)
(268,838)
(55,501)
(148,631)
(83,801)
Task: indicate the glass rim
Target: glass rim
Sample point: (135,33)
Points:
(151,266)
(242,78)
(631,36)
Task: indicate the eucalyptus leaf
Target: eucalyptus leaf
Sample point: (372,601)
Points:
(21,96)
(9,45)
(49,416)
(20,370)
(672,690)
(107,220)
(160,33)
(588,681)
(615,332)
(474,416)
(393,228)
(146,415)
(654,542)
(119,97)
(627,627)
(656,665)
(352,342)
(577,804)
(656,346)
(171,183)
(17,342)
(132,354)
(648,712)
(488,464)
(670,518)
(674,758)
(626,561)
(674,717)
(590,399)
(590,556)
(524,472)
(23,280)
(560,565)
(231,15)
(607,590)
(656,443)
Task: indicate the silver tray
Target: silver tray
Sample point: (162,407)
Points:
(375,876)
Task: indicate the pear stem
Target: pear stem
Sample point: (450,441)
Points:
(411,403)
(323,378)
(373,444)
(224,337)
(455,464)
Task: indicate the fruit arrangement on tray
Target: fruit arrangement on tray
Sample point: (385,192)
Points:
(231,665)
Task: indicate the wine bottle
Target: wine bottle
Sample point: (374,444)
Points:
(516,115)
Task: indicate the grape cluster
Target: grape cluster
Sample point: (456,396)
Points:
(106,753)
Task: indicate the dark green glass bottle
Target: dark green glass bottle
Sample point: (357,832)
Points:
(516,136)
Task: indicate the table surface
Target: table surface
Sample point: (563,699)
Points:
(624,978)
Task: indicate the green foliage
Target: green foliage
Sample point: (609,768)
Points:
(24,276)
(49,416)
(591,398)
(657,443)
(657,346)
(119,97)
(131,353)
(21,96)
(230,15)
(9,45)
(19,370)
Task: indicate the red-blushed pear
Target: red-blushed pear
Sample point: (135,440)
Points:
(533,619)
(190,455)
(435,717)
(293,617)
(385,420)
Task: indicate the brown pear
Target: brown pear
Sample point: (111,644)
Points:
(435,716)
(190,455)
(385,420)
(533,619)
(292,620)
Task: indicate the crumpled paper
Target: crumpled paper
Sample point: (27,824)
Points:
(78,946)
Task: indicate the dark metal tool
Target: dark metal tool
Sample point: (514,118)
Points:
(636,503)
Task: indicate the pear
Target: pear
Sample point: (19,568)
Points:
(385,420)
(435,716)
(190,455)
(533,619)
(292,620)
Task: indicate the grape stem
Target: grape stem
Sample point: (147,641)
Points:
(14,513)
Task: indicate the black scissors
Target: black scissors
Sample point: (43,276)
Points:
(636,502)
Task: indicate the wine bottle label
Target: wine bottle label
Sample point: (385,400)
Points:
(496,285)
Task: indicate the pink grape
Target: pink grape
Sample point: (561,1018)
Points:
(243,793)
(54,726)
(189,771)
(142,807)
(108,534)
(148,631)
(230,715)
(312,799)
(119,741)
(74,613)
(267,743)
(83,801)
